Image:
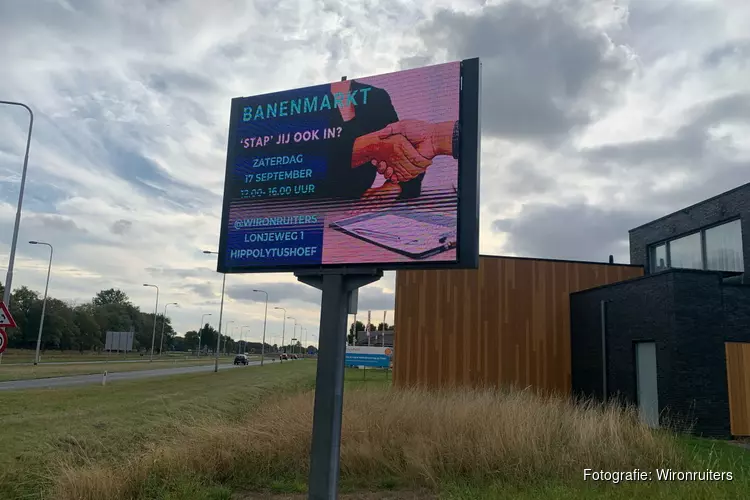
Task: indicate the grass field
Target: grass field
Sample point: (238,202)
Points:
(207,437)
(46,429)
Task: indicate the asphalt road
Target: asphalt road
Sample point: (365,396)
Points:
(43,383)
(115,360)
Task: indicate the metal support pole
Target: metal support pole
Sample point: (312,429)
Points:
(283,331)
(329,383)
(384,318)
(199,333)
(44,301)
(14,241)
(153,330)
(265,319)
(221,314)
(603,315)
(164,326)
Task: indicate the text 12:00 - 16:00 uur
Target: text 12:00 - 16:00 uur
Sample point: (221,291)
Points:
(277,191)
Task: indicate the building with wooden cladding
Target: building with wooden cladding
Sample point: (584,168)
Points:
(506,323)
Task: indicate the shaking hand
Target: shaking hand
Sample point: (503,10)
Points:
(387,151)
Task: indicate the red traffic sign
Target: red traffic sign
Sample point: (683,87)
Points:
(3,340)
(6,320)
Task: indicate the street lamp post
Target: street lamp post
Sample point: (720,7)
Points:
(305,347)
(228,330)
(242,328)
(163,326)
(221,313)
(283,330)
(14,241)
(44,302)
(265,318)
(153,331)
(199,333)
(294,333)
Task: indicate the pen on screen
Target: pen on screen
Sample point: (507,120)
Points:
(448,240)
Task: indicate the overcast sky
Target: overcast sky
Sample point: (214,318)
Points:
(598,116)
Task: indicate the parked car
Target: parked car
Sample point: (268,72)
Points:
(294,356)
(283,356)
(241,359)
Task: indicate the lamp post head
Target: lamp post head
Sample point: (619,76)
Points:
(33,242)
(209,252)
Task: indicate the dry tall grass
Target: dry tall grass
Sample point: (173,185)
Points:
(421,437)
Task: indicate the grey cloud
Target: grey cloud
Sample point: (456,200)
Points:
(736,49)
(375,299)
(522,178)
(688,145)
(545,72)
(121,226)
(204,290)
(167,81)
(577,231)
(277,292)
(715,179)
(195,272)
(54,222)
(664,27)
(417,61)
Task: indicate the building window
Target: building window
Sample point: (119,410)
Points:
(724,247)
(685,252)
(715,249)
(659,257)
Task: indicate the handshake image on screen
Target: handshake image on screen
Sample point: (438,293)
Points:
(403,150)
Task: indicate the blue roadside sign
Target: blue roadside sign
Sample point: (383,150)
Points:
(377,357)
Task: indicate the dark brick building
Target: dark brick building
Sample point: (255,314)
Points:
(659,341)
(688,315)
(708,235)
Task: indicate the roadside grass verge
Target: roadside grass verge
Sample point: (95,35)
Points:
(82,426)
(457,444)
(27,372)
(13,356)
(26,356)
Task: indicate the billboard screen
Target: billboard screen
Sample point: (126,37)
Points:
(119,341)
(378,172)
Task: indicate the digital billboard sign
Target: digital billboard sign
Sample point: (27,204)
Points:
(379,172)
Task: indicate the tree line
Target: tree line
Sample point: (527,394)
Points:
(83,327)
(72,326)
(360,326)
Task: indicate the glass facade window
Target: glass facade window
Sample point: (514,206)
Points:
(659,258)
(686,252)
(724,247)
(718,248)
